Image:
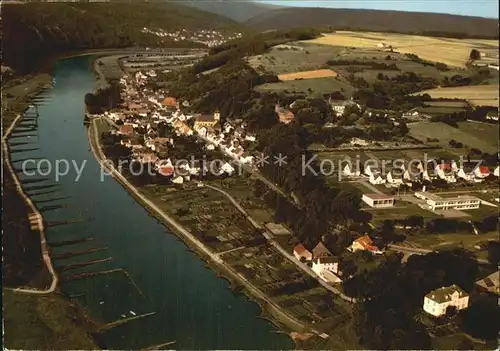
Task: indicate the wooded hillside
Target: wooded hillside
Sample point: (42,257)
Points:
(376,20)
(34,31)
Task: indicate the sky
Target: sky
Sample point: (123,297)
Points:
(481,8)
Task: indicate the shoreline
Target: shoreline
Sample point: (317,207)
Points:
(37,82)
(269,310)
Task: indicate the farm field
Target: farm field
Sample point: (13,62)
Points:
(444,132)
(453,52)
(319,73)
(311,87)
(480,95)
(298,56)
(484,131)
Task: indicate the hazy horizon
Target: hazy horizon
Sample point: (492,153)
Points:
(479,8)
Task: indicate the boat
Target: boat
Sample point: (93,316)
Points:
(133,313)
(124,316)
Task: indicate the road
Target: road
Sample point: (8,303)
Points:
(35,218)
(419,251)
(270,238)
(172,223)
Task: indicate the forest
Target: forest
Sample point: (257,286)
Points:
(33,32)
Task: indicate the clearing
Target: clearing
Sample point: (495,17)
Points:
(444,132)
(479,95)
(453,52)
(319,73)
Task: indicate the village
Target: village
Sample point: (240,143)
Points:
(144,115)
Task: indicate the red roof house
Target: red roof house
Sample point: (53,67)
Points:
(166,171)
(300,252)
(126,130)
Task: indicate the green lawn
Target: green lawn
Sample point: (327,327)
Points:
(312,87)
(441,241)
(470,134)
(34,322)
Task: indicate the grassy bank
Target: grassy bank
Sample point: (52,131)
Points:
(45,323)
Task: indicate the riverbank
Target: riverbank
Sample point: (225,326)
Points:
(37,316)
(270,310)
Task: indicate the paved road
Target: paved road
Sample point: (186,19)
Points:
(270,238)
(99,155)
(35,218)
(419,251)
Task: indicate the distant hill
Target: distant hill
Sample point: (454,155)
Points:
(235,10)
(376,20)
(34,31)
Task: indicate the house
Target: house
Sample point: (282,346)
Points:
(131,143)
(166,171)
(227,168)
(378,200)
(339,106)
(148,158)
(482,172)
(301,253)
(349,171)
(444,171)
(126,130)
(436,202)
(359,142)
(395,177)
(376,180)
(493,115)
(209,121)
(327,269)
(182,128)
(178,180)
(437,301)
(285,116)
(364,243)
(370,170)
(490,283)
(320,251)
(170,101)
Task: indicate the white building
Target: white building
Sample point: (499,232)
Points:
(436,202)
(327,269)
(348,172)
(437,301)
(496,172)
(378,200)
(376,180)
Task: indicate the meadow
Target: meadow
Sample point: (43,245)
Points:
(479,95)
(468,133)
(453,52)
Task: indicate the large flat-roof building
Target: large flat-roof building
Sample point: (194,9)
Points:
(378,200)
(436,202)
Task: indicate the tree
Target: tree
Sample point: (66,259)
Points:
(494,252)
(475,55)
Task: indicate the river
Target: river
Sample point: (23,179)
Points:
(192,306)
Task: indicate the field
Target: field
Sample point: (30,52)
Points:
(453,52)
(311,87)
(480,95)
(486,142)
(294,58)
(319,73)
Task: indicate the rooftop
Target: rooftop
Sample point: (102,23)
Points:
(444,294)
(379,196)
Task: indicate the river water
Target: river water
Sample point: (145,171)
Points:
(192,306)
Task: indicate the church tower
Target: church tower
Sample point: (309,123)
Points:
(217,115)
